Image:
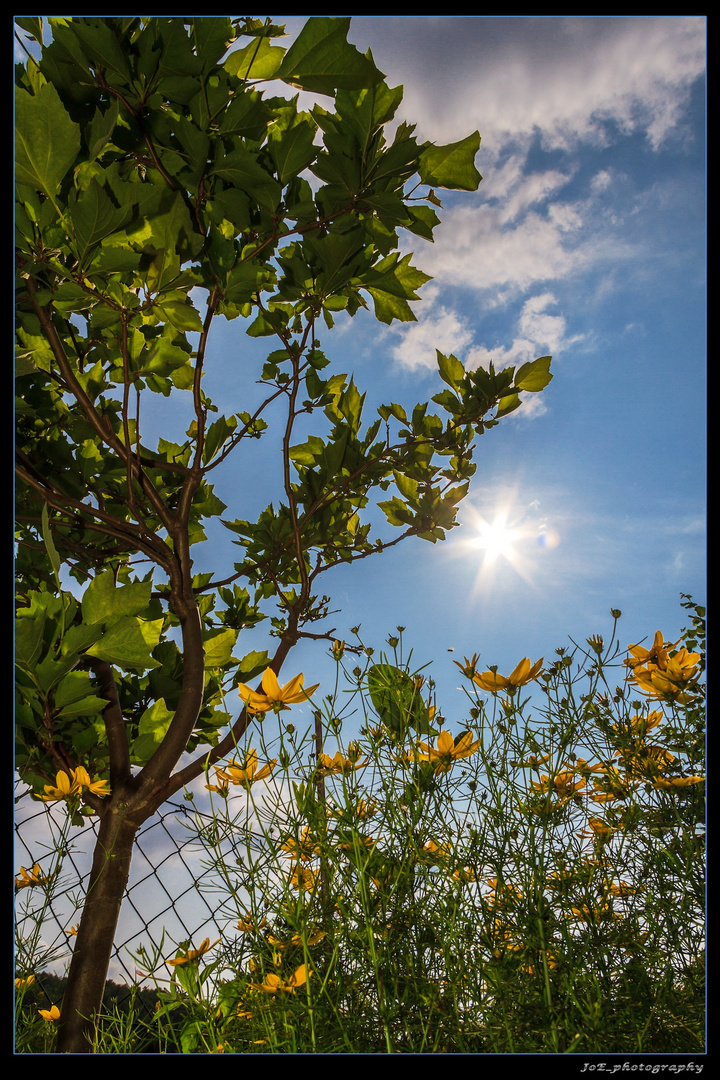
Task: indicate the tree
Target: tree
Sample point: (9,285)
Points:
(153,171)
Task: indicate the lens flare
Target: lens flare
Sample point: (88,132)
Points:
(512,534)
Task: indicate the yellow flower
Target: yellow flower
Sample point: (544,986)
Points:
(657,655)
(562,784)
(621,889)
(28,878)
(595,915)
(677,782)
(312,939)
(249,927)
(534,762)
(438,852)
(245,775)
(22,984)
(362,810)
(550,961)
(273,694)
(303,878)
(306,848)
(51,1014)
(611,786)
(82,781)
(64,787)
(340,764)
(645,762)
(507,895)
(469,667)
(192,954)
(524,673)
(599,830)
(357,842)
(273,984)
(447,750)
(661,675)
(223,783)
(670,682)
(640,725)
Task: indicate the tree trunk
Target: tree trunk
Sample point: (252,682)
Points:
(96,933)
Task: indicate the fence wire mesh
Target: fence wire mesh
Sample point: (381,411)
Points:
(169,897)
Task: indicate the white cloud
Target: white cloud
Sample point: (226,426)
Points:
(441,329)
(539,332)
(695,526)
(572,79)
(541,327)
(473,250)
(530,190)
(601,181)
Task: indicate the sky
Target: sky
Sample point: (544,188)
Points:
(585,241)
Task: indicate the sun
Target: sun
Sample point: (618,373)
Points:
(508,534)
(496,538)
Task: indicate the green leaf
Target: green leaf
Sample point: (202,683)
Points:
(49,671)
(29,630)
(75,696)
(212,37)
(242,169)
(49,545)
(321,59)
(103,49)
(128,643)
(46,140)
(219,645)
(152,729)
(292,150)
(534,376)
(103,602)
(170,236)
(391,284)
(396,512)
(507,404)
(74,687)
(258,60)
(94,216)
(309,452)
(453,165)
(183,316)
(251,665)
(407,487)
(451,370)
(216,436)
(397,700)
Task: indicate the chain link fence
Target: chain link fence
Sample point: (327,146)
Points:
(169,896)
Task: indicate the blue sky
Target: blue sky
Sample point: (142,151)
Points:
(586,240)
